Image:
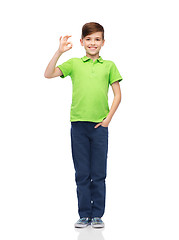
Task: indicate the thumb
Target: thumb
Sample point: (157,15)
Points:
(97,125)
(60,38)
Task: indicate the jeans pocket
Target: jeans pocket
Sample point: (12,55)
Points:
(103,126)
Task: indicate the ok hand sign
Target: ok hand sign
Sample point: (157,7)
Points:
(64,44)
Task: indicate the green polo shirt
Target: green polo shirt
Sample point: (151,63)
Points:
(90,84)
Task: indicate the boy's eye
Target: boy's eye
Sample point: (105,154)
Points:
(96,39)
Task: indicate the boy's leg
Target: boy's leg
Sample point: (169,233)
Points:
(80,145)
(99,150)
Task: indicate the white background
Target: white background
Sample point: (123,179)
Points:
(37,183)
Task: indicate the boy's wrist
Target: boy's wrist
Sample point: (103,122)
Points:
(108,119)
(59,52)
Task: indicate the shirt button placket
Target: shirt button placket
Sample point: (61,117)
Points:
(93,65)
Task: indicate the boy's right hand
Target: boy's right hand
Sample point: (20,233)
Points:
(64,45)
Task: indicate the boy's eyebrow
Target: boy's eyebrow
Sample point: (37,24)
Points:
(95,37)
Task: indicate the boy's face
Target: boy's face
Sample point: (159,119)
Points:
(92,43)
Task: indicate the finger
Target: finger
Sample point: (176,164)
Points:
(69,47)
(96,126)
(67,36)
(64,37)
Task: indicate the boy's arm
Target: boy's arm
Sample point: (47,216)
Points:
(52,71)
(117,99)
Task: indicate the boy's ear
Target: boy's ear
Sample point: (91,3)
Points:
(81,41)
(103,42)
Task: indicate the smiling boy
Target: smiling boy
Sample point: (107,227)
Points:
(90,117)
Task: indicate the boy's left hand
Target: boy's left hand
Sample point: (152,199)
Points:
(104,123)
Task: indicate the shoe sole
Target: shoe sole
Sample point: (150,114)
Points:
(97,226)
(81,225)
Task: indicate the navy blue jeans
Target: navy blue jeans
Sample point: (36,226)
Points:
(89,152)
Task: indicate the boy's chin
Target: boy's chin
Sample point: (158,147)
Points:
(92,53)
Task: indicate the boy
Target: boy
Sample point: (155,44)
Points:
(90,117)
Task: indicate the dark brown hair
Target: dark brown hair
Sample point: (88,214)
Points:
(90,28)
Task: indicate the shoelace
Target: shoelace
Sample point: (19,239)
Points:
(97,220)
(81,220)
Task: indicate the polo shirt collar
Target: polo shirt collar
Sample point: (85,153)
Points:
(85,58)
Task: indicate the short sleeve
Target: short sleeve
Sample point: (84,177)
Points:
(66,68)
(114,74)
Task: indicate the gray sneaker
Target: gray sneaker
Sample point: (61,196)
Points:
(83,222)
(97,222)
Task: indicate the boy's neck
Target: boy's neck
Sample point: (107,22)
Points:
(93,57)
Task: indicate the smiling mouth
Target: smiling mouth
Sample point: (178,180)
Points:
(92,48)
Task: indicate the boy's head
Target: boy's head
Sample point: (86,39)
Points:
(92,37)
(92,27)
